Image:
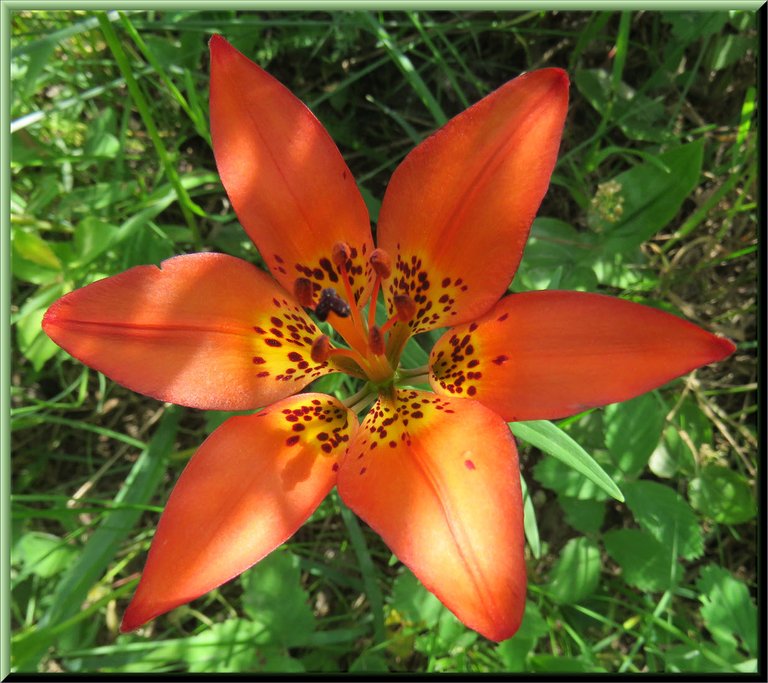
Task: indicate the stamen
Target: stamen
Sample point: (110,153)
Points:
(340,254)
(376,341)
(382,266)
(381,263)
(405,309)
(321,349)
(331,301)
(302,290)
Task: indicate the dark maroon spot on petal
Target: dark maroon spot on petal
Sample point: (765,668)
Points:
(273,342)
(502,318)
(335,467)
(499,360)
(292,440)
(259,360)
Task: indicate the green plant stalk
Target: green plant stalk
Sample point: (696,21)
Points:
(185,203)
(200,126)
(367,570)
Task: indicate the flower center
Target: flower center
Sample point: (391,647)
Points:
(372,351)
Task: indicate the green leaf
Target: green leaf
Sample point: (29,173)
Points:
(529,521)
(723,495)
(651,196)
(32,259)
(664,514)
(514,652)
(562,664)
(728,610)
(43,554)
(638,116)
(576,573)
(92,237)
(690,26)
(275,598)
(101,548)
(645,563)
(414,602)
(549,438)
(583,515)
(632,432)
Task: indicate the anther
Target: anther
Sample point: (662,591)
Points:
(321,349)
(340,254)
(405,307)
(376,341)
(381,263)
(331,301)
(302,290)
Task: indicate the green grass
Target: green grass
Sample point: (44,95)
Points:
(653,199)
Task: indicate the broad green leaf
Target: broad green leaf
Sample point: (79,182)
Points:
(43,554)
(652,196)
(583,515)
(514,652)
(728,609)
(275,598)
(576,573)
(664,514)
(562,664)
(723,495)
(549,438)
(690,26)
(632,432)
(92,237)
(413,601)
(369,661)
(32,247)
(32,341)
(638,116)
(645,563)
(728,49)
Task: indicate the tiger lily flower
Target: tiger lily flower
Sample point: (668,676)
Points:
(434,473)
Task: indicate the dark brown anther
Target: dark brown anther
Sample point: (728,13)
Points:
(302,290)
(405,307)
(381,263)
(331,301)
(376,341)
(340,254)
(321,349)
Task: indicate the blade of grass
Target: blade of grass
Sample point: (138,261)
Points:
(409,71)
(69,595)
(188,207)
(198,122)
(367,570)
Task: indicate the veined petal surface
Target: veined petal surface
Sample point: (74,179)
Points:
(287,180)
(457,212)
(248,488)
(550,354)
(205,330)
(438,479)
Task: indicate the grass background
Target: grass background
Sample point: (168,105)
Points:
(653,199)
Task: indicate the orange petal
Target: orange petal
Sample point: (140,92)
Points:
(248,488)
(438,479)
(549,354)
(204,330)
(287,181)
(457,211)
